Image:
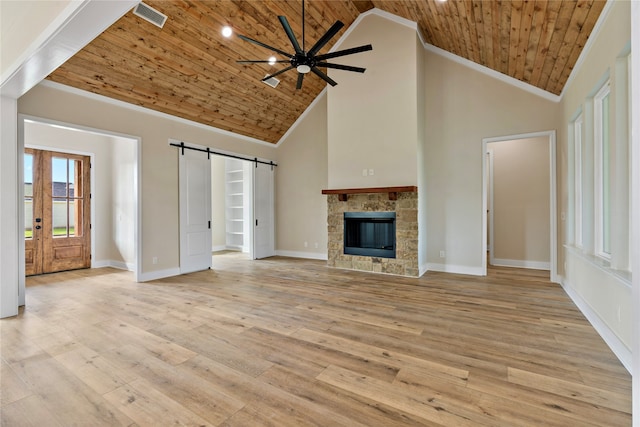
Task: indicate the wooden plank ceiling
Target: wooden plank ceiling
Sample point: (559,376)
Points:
(188,69)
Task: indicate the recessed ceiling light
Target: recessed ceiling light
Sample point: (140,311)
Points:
(272,60)
(227,31)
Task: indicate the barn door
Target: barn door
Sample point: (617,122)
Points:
(57,212)
(195,211)
(263,207)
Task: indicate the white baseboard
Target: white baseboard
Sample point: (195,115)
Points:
(114,264)
(218,248)
(306,255)
(615,344)
(160,274)
(456,269)
(519,263)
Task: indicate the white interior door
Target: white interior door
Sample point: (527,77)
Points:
(263,207)
(195,211)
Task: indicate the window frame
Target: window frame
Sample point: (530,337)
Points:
(602,172)
(577,180)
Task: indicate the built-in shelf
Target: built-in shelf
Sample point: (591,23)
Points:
(392,191)
(237,212)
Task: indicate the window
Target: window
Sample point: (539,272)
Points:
(602,173)
(577,180)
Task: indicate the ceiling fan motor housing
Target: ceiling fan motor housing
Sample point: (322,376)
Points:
(302,63)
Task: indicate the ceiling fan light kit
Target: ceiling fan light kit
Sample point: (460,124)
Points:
(304,61)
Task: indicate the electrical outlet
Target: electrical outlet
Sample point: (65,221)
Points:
(306,244)
(370,172)
(154,260)
(364,172)
(316,245)
(441,254)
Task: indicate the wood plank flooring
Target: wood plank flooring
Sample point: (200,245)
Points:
(289,342)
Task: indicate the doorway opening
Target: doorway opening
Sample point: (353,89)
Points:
(226,204)
(111,164)
(242,204)
(231,204)
(520,213)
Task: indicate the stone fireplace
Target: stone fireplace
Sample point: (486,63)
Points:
(403,201)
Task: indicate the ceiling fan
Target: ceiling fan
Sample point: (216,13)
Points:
(305,61)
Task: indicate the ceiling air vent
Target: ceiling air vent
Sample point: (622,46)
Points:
(273,82)
(148,13)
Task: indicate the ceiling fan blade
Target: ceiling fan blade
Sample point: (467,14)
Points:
(266,46)
(299,83)
(261,61)
(323,76)
(344,52)
(290,67)
(340,67)
(289,31)
(325,39)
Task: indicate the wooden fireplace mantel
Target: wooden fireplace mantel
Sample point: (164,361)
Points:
(393,191)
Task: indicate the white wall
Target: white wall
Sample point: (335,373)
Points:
(301,209)
(602,293)
(9,229)
(123,202)
(635,206)
(464,106)
(17,38)
(372,117)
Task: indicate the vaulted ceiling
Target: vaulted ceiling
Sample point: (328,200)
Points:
(189,70)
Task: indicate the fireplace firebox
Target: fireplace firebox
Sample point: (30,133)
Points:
(370,234)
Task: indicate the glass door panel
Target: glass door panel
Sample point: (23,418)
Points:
(60,217)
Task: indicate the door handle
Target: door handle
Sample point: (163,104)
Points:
(38,227)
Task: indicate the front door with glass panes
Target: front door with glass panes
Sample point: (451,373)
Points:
(57,211)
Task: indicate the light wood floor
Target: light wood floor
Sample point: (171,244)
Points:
(285,342)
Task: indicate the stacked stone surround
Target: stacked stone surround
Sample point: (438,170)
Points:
(406,209)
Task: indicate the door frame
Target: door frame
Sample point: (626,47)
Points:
(22,118)
(553,210)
